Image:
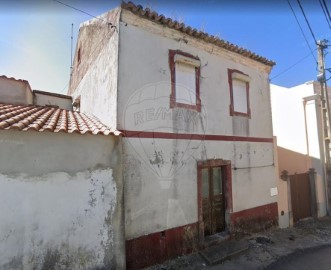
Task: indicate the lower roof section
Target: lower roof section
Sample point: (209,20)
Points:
(50,118)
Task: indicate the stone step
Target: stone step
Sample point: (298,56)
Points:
(224,251)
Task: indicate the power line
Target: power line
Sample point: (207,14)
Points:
(290,67)
(304,15)
(65,87)
(97,45)
(82,11)
(302,30)
(71,45)
(327,10)
(325,14)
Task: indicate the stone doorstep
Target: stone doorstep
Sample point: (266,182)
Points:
(224,251)
(215,239)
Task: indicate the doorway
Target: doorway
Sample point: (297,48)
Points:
(214,196)
(213,207)
(300,196)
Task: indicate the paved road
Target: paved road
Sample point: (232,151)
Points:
(311,258)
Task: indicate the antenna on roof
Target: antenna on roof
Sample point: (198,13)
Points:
(72,33)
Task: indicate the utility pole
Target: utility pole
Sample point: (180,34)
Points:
(72,36)
(321,46)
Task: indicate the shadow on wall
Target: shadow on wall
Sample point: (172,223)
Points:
(293,162)
(291,203)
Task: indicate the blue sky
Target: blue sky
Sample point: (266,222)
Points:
(35,40)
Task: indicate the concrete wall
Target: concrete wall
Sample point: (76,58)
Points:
(94,76)
(155,202)
(161,174)
(315,148)
(146,64)
(283,203)
(298,126)
(61,201)
(288,116)
(15,91)
(51,99)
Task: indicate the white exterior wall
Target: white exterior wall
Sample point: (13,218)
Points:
(42,99)
(61,201)
(283,199)
(321,187)
(156,198)
(288,116)
(15,91)
(298,126)
(315,150)
(97,89)
(40,152)
(155,203)
(144,60)
(56,219)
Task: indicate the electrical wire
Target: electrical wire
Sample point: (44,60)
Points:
(327,10)
(290,67)
(105,36)
(304,15)
(301,30)
(325,14)
(65,87)
(254,167)
(82,11)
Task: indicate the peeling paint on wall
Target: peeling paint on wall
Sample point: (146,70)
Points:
(57,220)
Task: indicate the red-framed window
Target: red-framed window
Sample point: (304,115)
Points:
(239,93)
(185,80)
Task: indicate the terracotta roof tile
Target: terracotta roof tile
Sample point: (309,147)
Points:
(155,17)
(14,79)
(43,118)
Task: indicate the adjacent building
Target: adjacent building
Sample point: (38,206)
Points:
(298,126)
(61,189)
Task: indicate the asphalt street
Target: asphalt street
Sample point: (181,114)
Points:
(311,258)
(306,245)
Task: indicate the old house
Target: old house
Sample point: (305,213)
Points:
(60,184)
(194,110)
(298,126)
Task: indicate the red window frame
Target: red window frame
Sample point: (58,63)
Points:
(232,110)
(172,64)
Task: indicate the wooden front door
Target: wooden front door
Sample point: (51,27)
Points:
(213,206)
(300,196)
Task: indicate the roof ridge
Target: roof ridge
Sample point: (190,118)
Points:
(48,106)
(161,19)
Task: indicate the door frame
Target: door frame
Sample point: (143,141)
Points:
(226,164)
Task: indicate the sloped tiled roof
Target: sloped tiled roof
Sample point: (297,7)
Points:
(43,118)
(161,19)
(12,78)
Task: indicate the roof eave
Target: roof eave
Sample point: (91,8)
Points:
(181,27)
